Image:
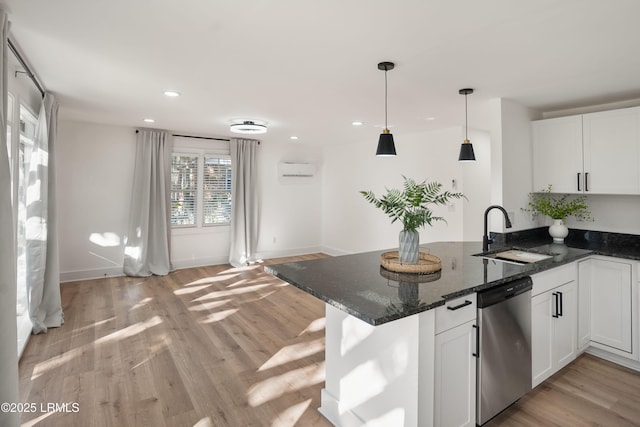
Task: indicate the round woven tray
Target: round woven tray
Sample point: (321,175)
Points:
(427,263)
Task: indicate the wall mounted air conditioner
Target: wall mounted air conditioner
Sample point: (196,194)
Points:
(290,169)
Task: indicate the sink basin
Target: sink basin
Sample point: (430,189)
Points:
(515,256)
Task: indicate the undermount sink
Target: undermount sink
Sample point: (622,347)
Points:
(515,256)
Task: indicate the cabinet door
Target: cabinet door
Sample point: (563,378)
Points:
(541,337)
(611,142)
(565,333)
(557,154)
(611,304)
(455,377)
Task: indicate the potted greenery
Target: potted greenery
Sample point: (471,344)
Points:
(558,207)
(411,205)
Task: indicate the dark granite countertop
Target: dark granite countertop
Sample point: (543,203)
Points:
(358,285)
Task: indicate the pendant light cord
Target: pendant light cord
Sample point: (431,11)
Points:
(466,115)
(385,99)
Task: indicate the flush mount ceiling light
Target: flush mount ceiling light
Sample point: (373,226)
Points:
(171,93)
(386,146)
(248,127)
(466,149)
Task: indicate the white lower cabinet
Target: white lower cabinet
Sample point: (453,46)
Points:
(455,366)
(608,306)
(554,319)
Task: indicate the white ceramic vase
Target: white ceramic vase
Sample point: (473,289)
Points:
(558,231)
(408,248)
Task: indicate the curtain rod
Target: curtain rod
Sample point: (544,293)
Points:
(201,137)
(25,66)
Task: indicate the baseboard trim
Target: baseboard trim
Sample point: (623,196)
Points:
(100,273)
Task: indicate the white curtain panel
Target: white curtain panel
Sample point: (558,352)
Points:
(148,240)
(8,334)
(41,236)
(244,202)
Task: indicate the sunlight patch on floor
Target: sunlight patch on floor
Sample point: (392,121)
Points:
(129,331)
(36,421)
(142,303)
(206,306)
(220,315)
(315,326)
(293,352)
(162,344)
(277,385)
(191,289)
(205,422)
(241,269)
(231,292)
(211,279)
(291,415)
(93,325)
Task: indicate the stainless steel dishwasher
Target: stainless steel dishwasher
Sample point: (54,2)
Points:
(504,347)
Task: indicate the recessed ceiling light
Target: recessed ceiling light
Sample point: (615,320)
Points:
(430,119)
(293,138)
(149,121)
(171,93)
(248,127)
(357,123)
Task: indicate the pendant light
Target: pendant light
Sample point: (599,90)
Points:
(386,147)
(466,149)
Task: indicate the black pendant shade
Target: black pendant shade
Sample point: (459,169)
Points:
(466,152)
(466,149)
(386,147)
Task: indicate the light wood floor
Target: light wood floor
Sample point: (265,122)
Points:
(588,392)
(218,346)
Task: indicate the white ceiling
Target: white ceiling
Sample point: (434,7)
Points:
(309,67)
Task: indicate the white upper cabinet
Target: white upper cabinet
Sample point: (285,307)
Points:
(557,154)
(597,153)
(612,151)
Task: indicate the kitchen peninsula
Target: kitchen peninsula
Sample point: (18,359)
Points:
(382,329)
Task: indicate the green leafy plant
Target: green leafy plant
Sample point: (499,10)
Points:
(558,206)
(411,205)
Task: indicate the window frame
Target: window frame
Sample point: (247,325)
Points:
(200,154)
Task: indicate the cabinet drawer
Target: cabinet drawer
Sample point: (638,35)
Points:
(455,312)
(553,278)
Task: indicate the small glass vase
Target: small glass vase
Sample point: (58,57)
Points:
(558,231)
(408,248)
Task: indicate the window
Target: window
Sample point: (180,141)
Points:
(217,190)
(184,185)
(200,190)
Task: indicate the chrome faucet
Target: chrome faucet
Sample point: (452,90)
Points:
(485,238)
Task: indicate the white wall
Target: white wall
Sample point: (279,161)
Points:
(351,224)
(95,170)
(517,168)
(291,207)
(477,185)
(94,173)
